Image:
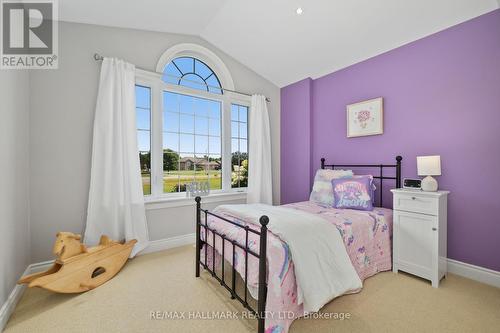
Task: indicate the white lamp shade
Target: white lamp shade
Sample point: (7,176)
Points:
(429,165)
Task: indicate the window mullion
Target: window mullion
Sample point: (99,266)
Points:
(226,145)
(157,142)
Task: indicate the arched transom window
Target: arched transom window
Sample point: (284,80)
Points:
(192,73)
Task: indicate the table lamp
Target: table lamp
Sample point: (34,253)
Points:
(429,166)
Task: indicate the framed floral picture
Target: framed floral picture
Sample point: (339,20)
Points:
(365,118)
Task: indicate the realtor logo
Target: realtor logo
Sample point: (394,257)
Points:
(29,34)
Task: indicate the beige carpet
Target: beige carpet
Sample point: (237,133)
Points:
(165,281)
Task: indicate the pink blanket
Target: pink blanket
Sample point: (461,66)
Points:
(367,237)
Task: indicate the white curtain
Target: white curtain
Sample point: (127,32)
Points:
(260,182)
(116,201)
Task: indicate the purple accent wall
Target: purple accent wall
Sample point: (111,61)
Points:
(441,96)
(295,138)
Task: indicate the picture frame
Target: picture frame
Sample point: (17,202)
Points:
(365,118)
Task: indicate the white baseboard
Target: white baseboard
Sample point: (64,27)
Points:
(39,266)
(168,243)
(473,272)
(11,302)
(18,291)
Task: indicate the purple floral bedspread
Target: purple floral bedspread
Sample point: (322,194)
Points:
(367,236)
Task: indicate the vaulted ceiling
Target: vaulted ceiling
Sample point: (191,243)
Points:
(269,36)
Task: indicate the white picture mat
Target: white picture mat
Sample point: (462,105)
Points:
(371,124)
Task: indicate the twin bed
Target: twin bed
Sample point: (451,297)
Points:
(295,258)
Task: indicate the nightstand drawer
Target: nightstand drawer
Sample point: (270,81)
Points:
(416,202)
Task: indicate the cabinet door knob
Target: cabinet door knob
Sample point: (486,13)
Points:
(434,229)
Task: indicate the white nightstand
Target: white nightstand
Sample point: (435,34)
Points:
(419,233)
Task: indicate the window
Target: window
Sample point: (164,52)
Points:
(191,141)
(189,128)
(193,73)
(239,145)
(143,119)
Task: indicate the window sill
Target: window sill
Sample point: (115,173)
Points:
(162,203)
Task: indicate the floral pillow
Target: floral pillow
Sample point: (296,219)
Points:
(322,192)
(354,193)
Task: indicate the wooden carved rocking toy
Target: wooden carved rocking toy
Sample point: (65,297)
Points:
(78,268)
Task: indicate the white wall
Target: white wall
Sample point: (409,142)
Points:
(14,204)
(62,113)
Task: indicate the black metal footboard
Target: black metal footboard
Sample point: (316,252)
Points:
(262,293)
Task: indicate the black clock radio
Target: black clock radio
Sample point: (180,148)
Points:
(410,183)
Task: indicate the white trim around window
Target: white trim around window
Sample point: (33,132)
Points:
(201,53)
(170,202)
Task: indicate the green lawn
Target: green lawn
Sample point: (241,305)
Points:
(171,179)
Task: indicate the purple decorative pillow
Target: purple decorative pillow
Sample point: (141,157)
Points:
(353,193)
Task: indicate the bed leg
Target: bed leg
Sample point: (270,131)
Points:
(261,304)
(198,240)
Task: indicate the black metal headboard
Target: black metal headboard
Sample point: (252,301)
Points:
(380,176)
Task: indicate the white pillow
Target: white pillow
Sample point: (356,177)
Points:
(322,192)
